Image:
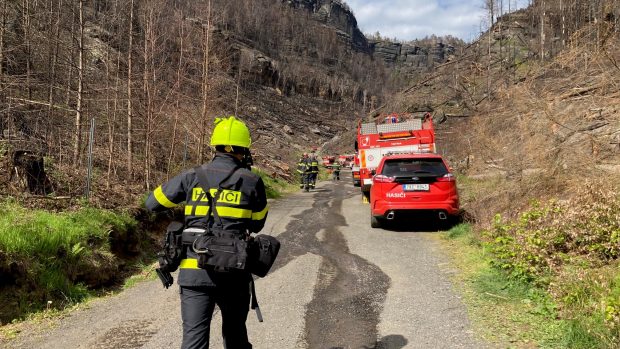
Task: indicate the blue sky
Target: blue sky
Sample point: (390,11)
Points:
(411,19)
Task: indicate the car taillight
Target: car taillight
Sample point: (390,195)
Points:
(448,177)
(383,179)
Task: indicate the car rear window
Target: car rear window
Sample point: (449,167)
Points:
(407,167)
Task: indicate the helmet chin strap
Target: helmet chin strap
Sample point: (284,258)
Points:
(245,158)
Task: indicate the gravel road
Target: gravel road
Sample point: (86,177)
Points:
(337,284)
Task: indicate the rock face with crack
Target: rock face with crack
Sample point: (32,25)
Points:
(407,56)
(337,14)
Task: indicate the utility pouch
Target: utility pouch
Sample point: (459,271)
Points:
(190,235)
(165,277)
(218,249)
(169,257)
(221,252)
(262,253)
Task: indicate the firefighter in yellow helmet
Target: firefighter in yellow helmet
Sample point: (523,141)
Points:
(241,209)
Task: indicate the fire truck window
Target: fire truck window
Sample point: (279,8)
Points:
(409,167)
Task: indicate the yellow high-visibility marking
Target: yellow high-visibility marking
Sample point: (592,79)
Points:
(227,212)
(232,197)
(201,210)
(189,263)
(163,200)
(233,212)
(198,193)
(257,216)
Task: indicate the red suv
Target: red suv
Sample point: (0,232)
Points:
(412,182)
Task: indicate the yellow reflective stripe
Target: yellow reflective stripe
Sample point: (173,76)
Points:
(232,212)
(228,212)
(201,210)
(231,197)
(162,199)
(257,216)
(189,263)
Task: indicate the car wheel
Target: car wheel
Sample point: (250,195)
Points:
(374,222)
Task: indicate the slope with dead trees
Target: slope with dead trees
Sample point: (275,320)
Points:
(152,74)
(540,92)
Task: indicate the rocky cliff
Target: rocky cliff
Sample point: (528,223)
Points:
(336,14)
(411,56)
(406,56)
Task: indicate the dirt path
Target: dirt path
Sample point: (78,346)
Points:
(337,284)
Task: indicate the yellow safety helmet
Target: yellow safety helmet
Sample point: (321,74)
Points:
(230,131)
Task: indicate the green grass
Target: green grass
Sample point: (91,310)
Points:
(49,255)
(511,314)
(459,231)
(274,187)
(580,313)
(146,271)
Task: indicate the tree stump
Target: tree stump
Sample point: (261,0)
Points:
(29,172)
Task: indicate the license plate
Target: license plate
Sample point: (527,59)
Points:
(416,187)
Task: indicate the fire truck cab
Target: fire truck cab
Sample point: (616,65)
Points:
(391,134)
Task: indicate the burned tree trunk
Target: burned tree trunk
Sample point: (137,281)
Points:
(29,172)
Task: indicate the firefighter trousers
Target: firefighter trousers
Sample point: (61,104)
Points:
(197,305)
(302,180)
(313,178)
(307,178)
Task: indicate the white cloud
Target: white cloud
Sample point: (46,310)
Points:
(416,19)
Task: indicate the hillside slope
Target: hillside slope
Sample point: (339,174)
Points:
(152,75)
(516,106)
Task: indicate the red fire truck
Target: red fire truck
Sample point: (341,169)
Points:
(346,160)
(391,134)
(328,160)
(355,170)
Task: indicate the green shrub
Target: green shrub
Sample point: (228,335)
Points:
(570,249)
(459,231)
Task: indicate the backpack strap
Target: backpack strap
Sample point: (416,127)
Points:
(254,304)
(203,179)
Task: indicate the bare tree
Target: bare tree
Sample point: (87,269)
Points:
(54,44)
(542,30)
(129,96)
(26,23)
(490,6)
(149,81)
(176,87)
(111,110)
(69,74)
(3,21)
(205,85)
(80,88)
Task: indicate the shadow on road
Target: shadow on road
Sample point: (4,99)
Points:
(393,341)
(419,223)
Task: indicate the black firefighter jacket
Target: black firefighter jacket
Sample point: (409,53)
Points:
(242,206)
